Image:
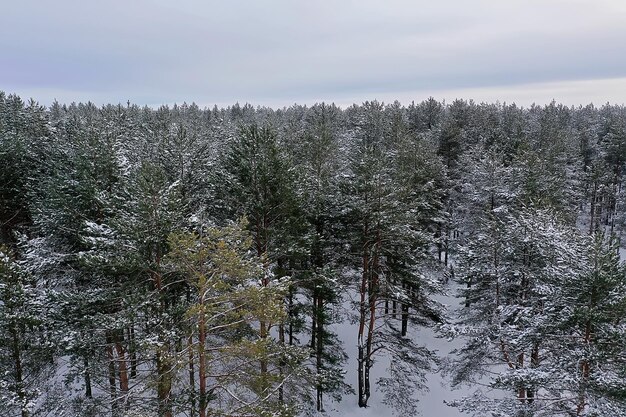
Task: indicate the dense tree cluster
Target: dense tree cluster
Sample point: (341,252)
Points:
(193,262)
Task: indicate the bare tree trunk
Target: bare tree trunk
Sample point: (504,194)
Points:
(439,236)
(18,369)
(112,386)
(592,210)
(319,351)
(446,244)
(373,299)
(405,319)
(132,349)
(469,285)
(123,371)
(585,369)
(87,376)
(368,357)
(291,316)
(534,363)
(163,367)
(362,319)
(192,382)
(263,326)
(314,318)
(202,365)
(521,392)
(281,340)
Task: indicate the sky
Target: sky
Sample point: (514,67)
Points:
(279,52)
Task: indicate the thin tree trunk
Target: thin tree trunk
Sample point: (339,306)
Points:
(164,377)
(123,371)
(18,370)
(192,382)
(446,245)
(263,327)
(319,351)
(467,297)
(521,392)
(112,379)
(585,370)
(314,318)
(373,298)
(87,375)
(290,315)
(368,351)
(405,319)
(202,365)
(439,236)
(534,363)
(362,319)
(132,349)
(592,209)
(281,340)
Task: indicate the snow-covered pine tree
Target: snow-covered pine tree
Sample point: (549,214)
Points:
(26,349)
(227,307)
(317,169)
(387,243)
(259,184)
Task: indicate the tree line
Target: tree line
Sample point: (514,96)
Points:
(194,262)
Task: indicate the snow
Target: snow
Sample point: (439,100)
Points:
(431,403)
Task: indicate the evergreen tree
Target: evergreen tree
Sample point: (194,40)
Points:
(386,234)
(26,351)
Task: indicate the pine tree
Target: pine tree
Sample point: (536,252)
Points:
(26,351)
(386,234)
(319,163)
(227,309)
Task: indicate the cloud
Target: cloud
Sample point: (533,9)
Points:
(281,51)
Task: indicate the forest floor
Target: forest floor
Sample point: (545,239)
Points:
(431,402)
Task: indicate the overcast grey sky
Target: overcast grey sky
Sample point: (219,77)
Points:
(284,51)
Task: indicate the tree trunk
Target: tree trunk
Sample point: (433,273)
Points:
(521,392)
(87,375)
(534,363)
(18,370)
(362,319)
(263,326)
(373,299)
(446,245)
(281,340)
(592,211)
(123,371)
(163,366)
(361,380)
(202,365)
(291,316)
(405,319)
(112,387)
(585,370)
(192,382)
(314,318)
(439,235)
(132,349)
(319,352)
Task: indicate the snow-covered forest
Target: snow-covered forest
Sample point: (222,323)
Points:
(249,261)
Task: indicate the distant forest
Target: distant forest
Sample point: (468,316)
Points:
(196,262)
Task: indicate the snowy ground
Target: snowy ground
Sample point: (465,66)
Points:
(431,403)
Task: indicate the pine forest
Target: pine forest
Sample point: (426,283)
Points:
(249,261)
